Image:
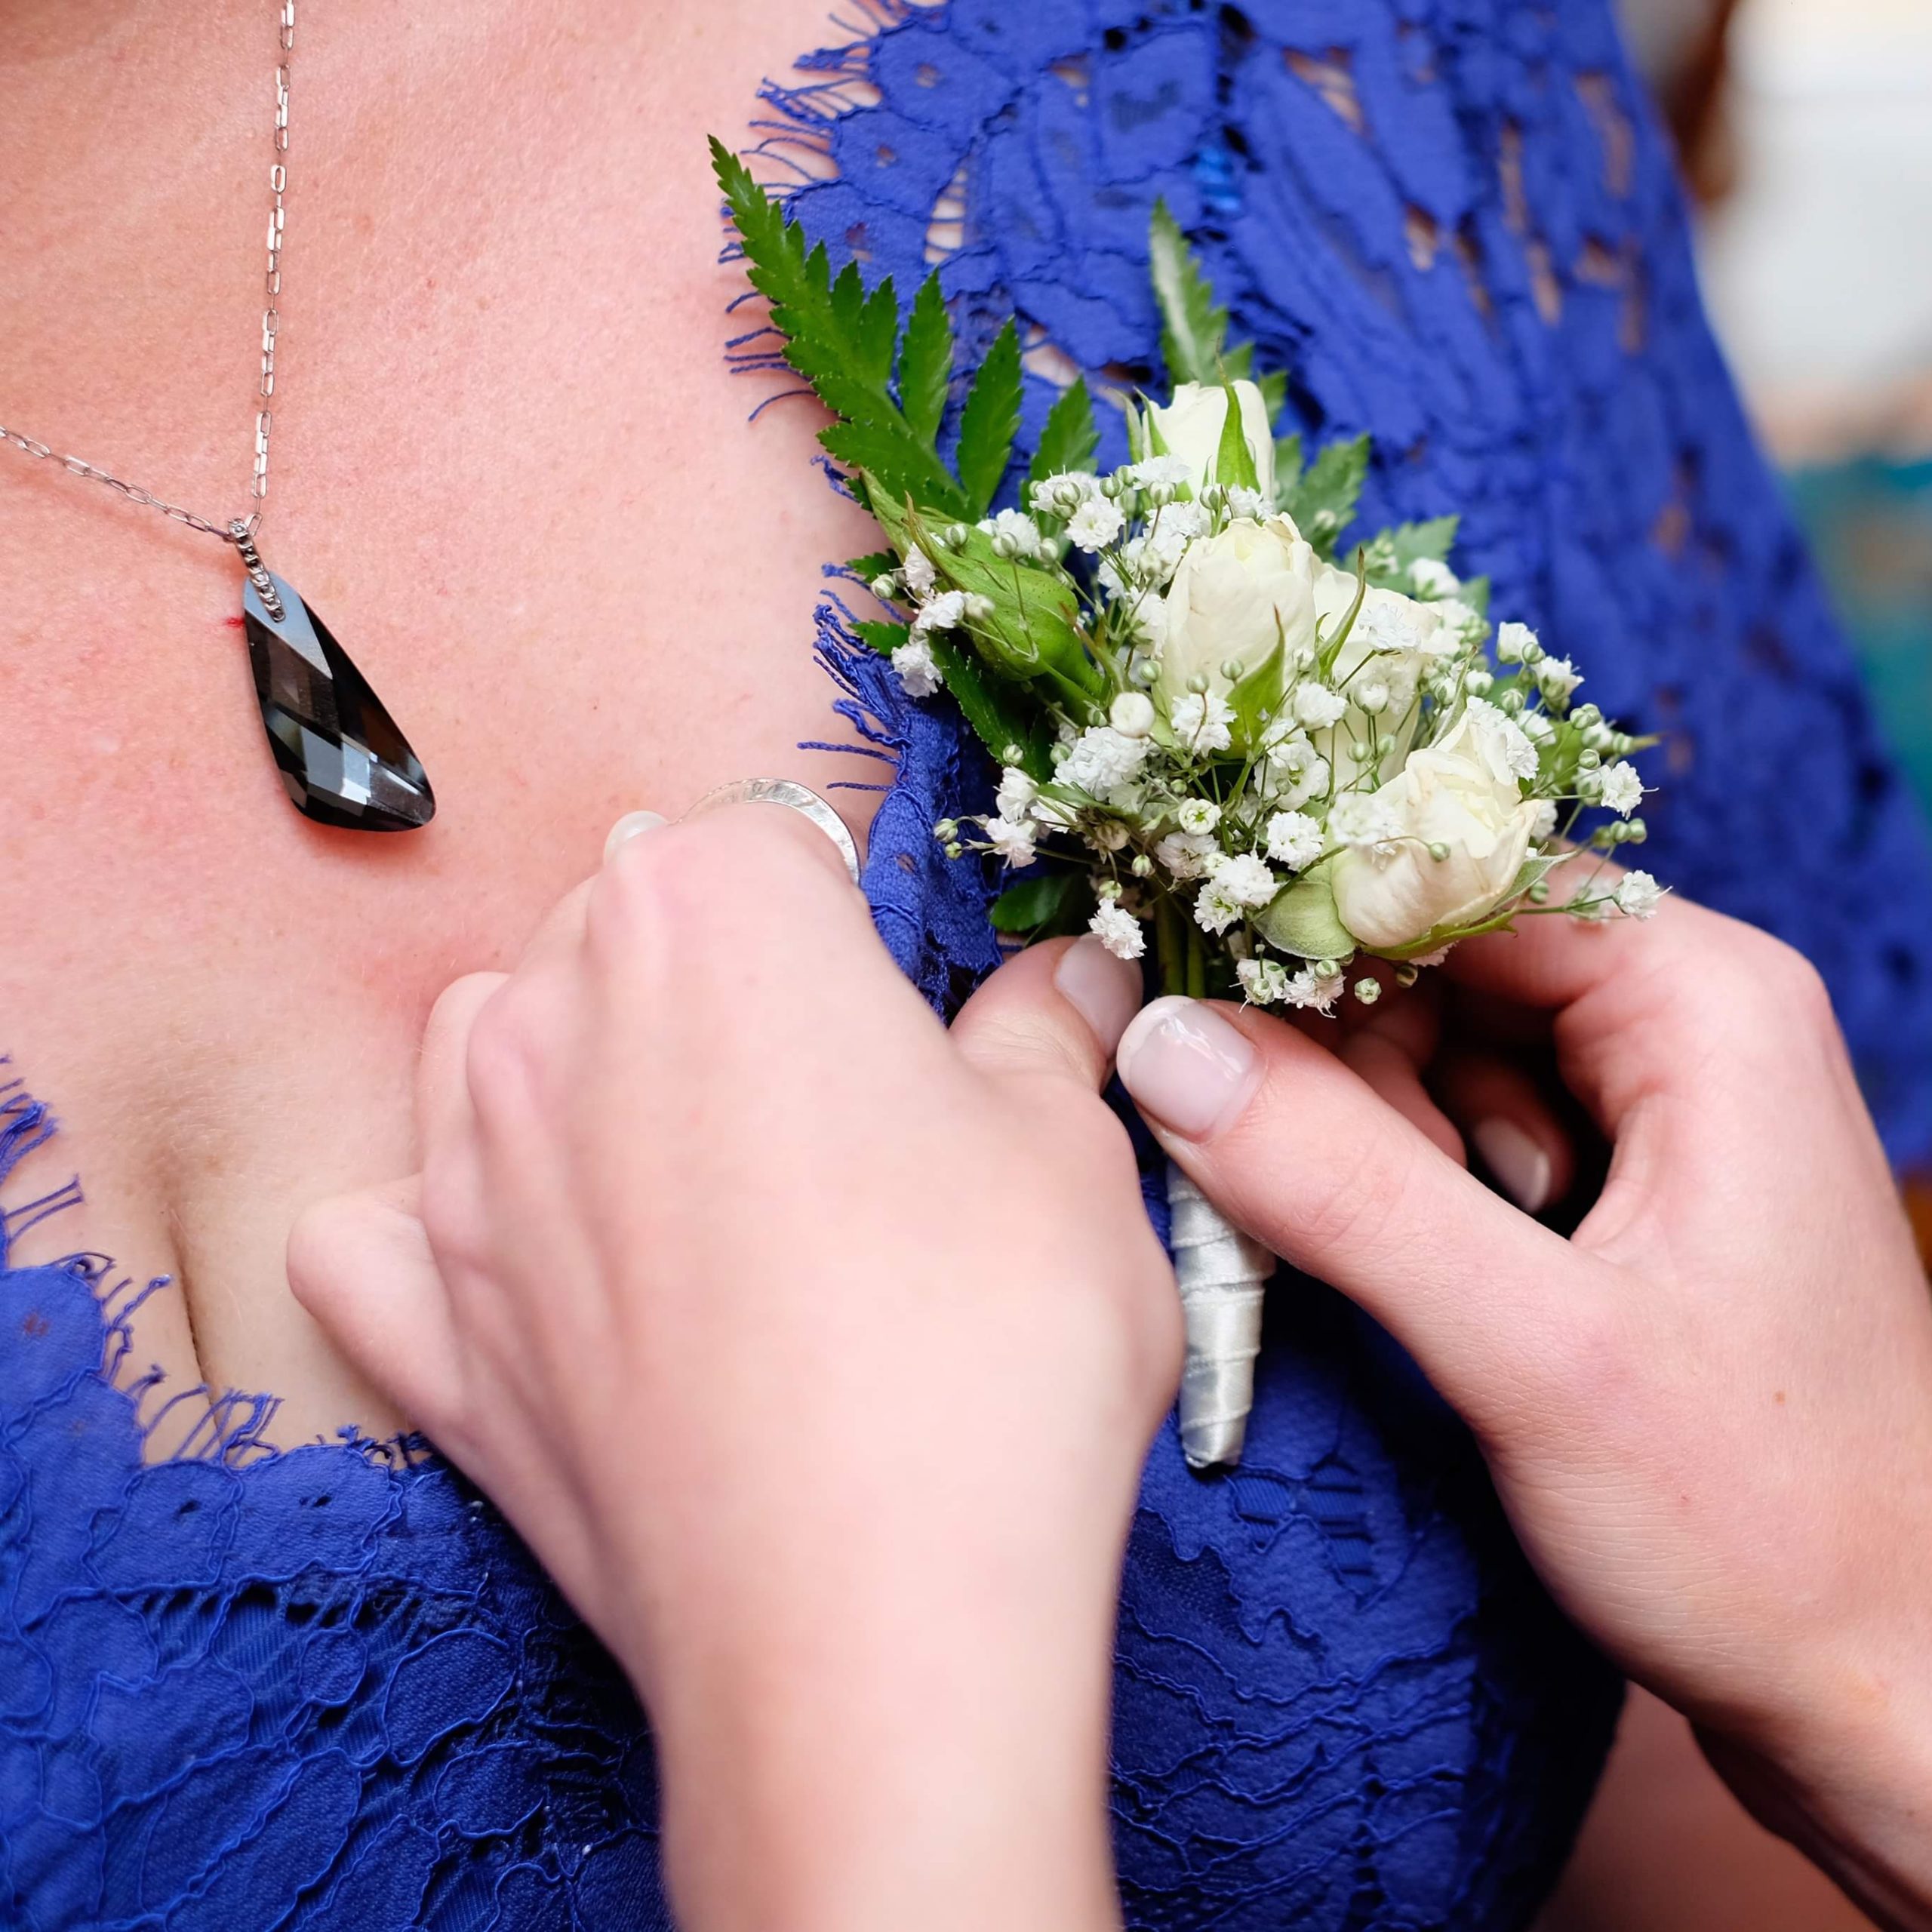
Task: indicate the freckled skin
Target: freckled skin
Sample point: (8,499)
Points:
(512,473)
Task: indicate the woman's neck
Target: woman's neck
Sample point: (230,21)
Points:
(510,471)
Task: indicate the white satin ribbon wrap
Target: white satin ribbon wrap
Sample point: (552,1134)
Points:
(1221,1275)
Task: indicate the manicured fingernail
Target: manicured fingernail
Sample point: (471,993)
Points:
(1186,1067)
(628,827)
(1104,991)
(1517,1159)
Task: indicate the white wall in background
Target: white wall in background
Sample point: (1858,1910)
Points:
(1818,271)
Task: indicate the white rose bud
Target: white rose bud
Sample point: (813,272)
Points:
(1233,598)
(1190,426)
(1459,797)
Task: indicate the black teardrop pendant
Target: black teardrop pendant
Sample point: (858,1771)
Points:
(341,756)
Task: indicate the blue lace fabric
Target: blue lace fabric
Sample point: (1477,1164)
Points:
(244,1689)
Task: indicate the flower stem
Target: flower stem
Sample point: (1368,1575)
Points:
(1170,943)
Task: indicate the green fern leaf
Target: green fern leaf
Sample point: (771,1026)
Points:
(902,464)
(884,638)
(989,422)
(1322,501)
(925,361)
(1069,436)
(1193,330)
(1000,722)
(874,565)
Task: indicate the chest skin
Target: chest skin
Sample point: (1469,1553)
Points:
(511,471)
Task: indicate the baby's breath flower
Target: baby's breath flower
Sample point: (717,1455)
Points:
(1313,987)
(1432,578)
(1185,854)
(1202,722)
(1468,624)
(918,573)
(1119,931)
(1373,698)
(1107,834)
(1513,642)
(1198,815)
(1102,759)
(1250,504)
(1556,679)
(1638,895)
(1013,843)
(1265,981)
(1015,528)
(1317,707)
(944,612)
(1214,911)
(1158,473)
(1294,840)
(917,671)
(1242,879)
(1619,787)
(1132,714)
(1367,991)
(1062,494)
(1095,524)
(1544,821)
(1018,790)
(1361,818)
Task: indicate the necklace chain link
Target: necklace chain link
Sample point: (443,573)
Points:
(258,483)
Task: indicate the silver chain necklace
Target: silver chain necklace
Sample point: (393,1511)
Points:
(342,760)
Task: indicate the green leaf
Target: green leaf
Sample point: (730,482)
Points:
(1301,919)
(884,638)
(1322,501)
(1273,387)
(925,361)
(1287,467)
(890,454)
(1434,540)
(1193,330)
(839,338)
(999,718)
(989,423)
(876,564)
(1069,436)
(1020,908)
(1255,696)
(1234,461)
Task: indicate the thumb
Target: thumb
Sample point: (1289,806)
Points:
(1296,1148)
(360,1264)
(1057,1009)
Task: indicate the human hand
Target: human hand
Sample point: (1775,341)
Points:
(815,1351)
(1709,1411)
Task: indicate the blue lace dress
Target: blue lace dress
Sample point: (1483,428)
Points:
(243,1690)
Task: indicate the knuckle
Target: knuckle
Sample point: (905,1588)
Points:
(505,1055)
(317,1250)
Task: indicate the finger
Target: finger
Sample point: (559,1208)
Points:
(1296,1148)
(360,1263)
(443,1105)
(1391,1045)
(1515,1131)
(1059,1008)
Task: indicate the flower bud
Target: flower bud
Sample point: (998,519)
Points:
(946,829)
(1143,866)
(1132,714)
(1368,991)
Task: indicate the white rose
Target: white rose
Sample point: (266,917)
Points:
(1460,793)
(1234,596)
(1190,427)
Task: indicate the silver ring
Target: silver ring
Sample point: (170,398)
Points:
(788,793)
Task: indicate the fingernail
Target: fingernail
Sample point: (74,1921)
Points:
(1517,1159)
(1186,1066)
(628,827)
(1104,991)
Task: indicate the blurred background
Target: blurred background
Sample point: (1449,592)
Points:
(1805,131)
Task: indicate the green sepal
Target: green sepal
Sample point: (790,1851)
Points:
(1068,437)
(1234,461)
(1301,919)
(884,638)
(925,361)
(989,423)
(1193,329)
(1255,696)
